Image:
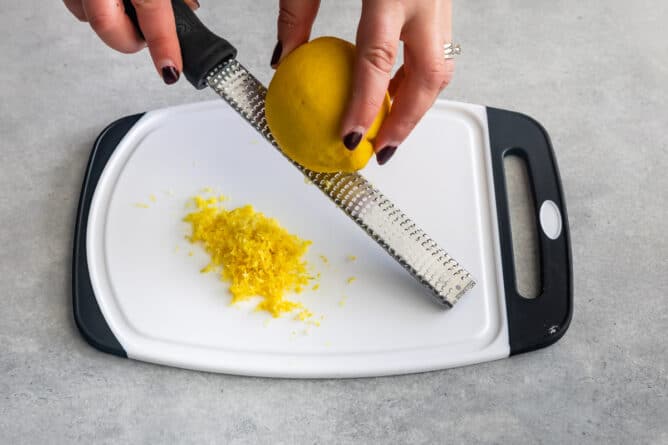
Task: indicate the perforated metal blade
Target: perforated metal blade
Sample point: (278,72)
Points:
(359,199)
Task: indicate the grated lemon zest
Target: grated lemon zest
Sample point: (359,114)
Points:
(303,315)
(253,253)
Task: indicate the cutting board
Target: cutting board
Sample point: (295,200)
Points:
(138,291)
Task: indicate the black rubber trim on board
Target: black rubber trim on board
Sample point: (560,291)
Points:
(541,321)
(87,315)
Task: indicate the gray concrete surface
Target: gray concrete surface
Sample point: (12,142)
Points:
(594,73)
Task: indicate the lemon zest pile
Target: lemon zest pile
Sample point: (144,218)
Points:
(253,253)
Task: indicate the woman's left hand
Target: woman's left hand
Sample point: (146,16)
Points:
(423,25)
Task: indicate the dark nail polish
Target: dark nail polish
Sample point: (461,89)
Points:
(170,75)
(277,53)
(385,154)
(352,140)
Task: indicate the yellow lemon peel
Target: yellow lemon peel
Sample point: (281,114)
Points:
(305,103)
(304,315)
(252,252)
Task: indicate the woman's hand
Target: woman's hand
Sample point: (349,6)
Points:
(156,20)
(423,25)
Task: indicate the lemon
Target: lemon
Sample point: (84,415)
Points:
(305,103)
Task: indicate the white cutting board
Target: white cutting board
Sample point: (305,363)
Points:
(161,309)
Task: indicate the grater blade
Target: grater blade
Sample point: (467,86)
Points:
(357,197)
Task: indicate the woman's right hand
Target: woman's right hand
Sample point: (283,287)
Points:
(156,20)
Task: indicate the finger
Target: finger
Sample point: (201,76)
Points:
(108,20)
(156,20)
(396,81)
(193,4)
(377,44)
(76,8)
(295,20)
(426,73)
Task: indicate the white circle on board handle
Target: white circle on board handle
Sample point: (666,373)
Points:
(550,219)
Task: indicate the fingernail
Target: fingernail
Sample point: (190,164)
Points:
(352,140)
(197,4)
(277,53)
(170,74)
(385,154)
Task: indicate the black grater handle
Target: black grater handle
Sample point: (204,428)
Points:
(201,49)
(537,322)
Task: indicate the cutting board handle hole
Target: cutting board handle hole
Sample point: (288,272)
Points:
(523,225)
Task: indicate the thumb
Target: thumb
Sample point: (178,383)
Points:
(295,19)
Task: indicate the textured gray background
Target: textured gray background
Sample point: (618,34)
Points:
(594,73)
